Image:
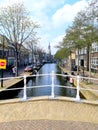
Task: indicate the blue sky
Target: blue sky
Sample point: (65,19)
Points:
(54,17)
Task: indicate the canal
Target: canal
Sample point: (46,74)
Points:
(47,81)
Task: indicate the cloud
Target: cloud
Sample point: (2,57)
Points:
(57,39)
(4,3)
(67,13)
(55,42)
(40,5)
(45,42)
(42,10)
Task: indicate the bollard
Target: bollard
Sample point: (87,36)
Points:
(78,89)
(25,91)
(52,91)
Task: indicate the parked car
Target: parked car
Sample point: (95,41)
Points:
(28,68)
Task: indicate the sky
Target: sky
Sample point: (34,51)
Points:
(54,17)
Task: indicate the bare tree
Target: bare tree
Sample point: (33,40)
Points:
(31,45)
(16,25)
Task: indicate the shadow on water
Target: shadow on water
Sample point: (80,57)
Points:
(10,94)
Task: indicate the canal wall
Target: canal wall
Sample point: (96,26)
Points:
(15,83)
(88,94)
(12,83)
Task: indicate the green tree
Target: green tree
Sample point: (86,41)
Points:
(84,31)
(62,53)
(89,29)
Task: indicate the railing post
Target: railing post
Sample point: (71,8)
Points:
(78,89)
(25,91)
(52,91)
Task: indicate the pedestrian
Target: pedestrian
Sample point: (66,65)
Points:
(14,71)
(71,80)
(10,70)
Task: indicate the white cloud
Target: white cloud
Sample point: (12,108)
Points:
(9,2)
(55,42)
(46,40)
(41,5)
(67,13)
(35,5)
(42,10)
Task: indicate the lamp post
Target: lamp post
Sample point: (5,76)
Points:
(16,44)
(70,61)
(83,60)
(2,58)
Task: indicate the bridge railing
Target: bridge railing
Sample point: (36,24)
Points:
(82,84)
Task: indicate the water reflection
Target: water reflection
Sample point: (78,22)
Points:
(46,80)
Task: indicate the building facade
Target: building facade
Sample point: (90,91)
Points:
(83,58)
(8,52)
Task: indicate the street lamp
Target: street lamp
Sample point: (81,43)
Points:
(70,61)
(2,58)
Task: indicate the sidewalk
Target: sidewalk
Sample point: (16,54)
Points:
(48,114)
(9,82)
(8,74)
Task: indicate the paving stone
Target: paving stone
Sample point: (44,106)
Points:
(47,125)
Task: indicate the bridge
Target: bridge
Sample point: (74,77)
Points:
(50,112)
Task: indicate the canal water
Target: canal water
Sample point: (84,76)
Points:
(47,81)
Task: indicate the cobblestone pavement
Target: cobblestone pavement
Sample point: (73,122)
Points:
(48,115)
(47,125)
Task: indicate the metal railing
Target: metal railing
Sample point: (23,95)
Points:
(81,84)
